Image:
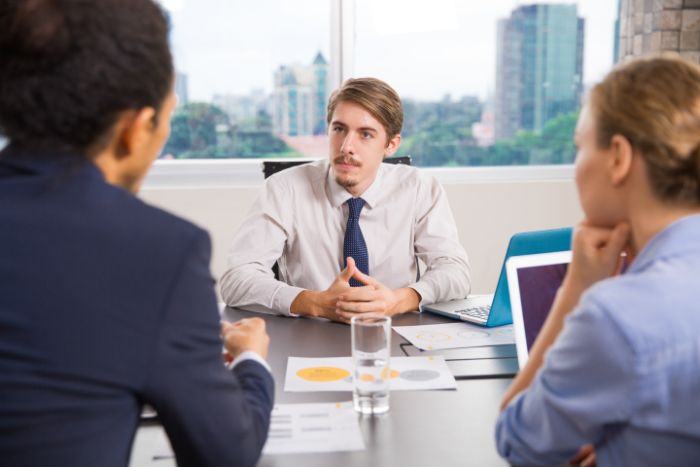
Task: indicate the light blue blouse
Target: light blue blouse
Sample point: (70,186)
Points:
(624,374)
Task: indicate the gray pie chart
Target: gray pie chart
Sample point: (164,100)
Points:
(419,375)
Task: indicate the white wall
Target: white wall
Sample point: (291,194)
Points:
(487,214)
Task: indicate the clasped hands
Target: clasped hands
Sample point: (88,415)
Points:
(247,334)
(340,302)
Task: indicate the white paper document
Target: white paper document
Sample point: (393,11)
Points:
(324,427)
(455,335)
(335,374)
(298,428)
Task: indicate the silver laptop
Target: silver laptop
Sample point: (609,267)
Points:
(475,309)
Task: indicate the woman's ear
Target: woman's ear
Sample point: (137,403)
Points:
(134,131)
(620,163)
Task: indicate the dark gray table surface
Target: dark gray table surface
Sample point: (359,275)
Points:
(422,428)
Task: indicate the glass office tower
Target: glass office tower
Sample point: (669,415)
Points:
(539,67)
(300,96)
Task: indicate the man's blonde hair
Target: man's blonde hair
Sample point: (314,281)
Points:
(376,97)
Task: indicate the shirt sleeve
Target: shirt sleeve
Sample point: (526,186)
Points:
(586,384)
(259,242)
(436,243)
(249,355)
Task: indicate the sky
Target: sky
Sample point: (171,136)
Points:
(424,48)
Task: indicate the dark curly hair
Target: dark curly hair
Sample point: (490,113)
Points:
(69,68)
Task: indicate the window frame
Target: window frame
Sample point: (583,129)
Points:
(231,173)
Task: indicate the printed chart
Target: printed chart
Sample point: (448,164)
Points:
(455,335)
(335,374)
(323,427)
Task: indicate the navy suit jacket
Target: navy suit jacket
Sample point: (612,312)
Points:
(107,303)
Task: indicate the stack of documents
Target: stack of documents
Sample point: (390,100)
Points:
(455,335)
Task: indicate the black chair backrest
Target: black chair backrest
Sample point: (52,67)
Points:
(272,167)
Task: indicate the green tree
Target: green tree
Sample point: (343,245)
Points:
(193,131)
(558,138)
(179,140)
(201,130)
(439,133)
(553,145)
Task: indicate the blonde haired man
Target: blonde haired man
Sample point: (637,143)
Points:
(346,231)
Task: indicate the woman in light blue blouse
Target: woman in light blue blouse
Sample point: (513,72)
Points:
(614,376)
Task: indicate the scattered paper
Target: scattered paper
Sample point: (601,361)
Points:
(298,428)
(335,374)
(324,427)
(455,335)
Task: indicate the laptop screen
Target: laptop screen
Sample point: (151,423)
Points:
(533,281)
(538,287)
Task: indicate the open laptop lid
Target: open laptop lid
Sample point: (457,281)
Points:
(524,243)
(534,281)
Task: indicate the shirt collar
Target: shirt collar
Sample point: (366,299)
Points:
(680,237)
(339,195)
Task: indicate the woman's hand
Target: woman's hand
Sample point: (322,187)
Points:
(596,254)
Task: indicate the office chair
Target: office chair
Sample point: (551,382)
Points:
(272,167)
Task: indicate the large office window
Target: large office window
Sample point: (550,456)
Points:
(498,83)
(252,78)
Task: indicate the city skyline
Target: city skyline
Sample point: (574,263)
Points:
(213,66)
(537,95)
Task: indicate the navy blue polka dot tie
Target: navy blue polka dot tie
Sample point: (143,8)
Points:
(354,244)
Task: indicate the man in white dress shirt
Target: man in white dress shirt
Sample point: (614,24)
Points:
(346,232)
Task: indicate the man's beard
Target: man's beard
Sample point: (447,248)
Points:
(349,181)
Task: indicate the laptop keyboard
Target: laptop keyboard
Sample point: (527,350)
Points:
(481,312)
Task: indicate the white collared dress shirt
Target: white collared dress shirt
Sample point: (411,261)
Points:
(299,221)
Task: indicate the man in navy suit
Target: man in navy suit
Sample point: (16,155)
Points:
(106,303)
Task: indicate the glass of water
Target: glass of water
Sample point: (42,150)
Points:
(371,344)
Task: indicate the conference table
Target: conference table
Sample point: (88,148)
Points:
(423,428)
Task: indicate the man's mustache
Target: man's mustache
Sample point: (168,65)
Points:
(347,160)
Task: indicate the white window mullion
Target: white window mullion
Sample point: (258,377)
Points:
(342,41)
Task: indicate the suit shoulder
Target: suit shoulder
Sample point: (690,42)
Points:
(152,224)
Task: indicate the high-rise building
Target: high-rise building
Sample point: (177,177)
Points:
(240,108)
(300,98)
(181,88)
(539,67)
(320,94)
(616,37)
